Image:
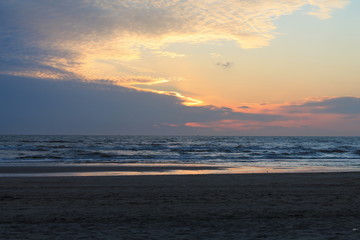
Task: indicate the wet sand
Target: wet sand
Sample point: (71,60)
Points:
(140,168)
(230,206)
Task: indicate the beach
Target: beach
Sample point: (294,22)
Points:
(217,206)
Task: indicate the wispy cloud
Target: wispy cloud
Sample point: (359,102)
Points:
(169,54)
(325,8)
(65,34)
(216,55)
(225,64)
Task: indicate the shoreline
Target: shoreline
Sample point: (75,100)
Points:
(153,169)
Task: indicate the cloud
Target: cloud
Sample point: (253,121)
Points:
(216,55)
(327,116)
(97,41)
(225,64)
(325,8)
(62,38)
(169,54)
(36,106)
(336,105)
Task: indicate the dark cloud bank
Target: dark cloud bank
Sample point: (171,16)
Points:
(34,106)
(340,105)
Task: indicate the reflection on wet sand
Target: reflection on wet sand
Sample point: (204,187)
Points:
(152,169)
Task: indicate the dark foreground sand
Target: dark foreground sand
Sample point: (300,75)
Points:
(248,206)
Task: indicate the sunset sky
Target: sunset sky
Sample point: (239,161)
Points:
(180,67)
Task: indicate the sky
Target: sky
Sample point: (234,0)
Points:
(180,67)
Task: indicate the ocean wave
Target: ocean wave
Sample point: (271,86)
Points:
(39,157)
(332,151)
(146,149)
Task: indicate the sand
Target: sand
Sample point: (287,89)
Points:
(230,206)
(120,168)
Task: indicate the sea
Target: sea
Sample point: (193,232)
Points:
(242,151)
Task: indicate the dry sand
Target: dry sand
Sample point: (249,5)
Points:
(241,206)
